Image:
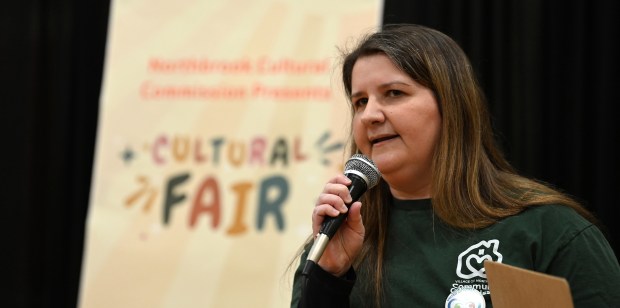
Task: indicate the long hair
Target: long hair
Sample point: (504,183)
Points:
(473,185)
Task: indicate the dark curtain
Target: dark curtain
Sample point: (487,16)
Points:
(547,70)
(52,59)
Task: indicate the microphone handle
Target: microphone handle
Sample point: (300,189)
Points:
(331,224)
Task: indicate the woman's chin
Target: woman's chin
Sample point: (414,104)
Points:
(384,163)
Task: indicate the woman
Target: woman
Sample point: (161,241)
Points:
(447,200)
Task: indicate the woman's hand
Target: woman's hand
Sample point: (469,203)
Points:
(346,243)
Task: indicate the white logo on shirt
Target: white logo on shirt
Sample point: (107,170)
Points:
(473,259)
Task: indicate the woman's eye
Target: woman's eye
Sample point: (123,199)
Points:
(392,93)
(360,102)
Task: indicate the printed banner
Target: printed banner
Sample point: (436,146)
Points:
(220,122)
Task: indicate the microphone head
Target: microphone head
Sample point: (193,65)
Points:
(364,167)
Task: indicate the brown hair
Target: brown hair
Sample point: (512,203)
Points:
(474,186)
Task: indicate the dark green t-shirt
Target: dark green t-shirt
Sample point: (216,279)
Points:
(425,260)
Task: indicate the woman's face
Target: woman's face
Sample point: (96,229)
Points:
(396,123)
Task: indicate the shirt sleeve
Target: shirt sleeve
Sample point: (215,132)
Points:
(321,289)
(591,268)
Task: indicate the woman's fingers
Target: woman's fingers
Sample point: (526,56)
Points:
(333,200)
(319,213)
(339,188)
(346,243)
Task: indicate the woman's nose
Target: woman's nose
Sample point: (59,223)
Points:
(373,113)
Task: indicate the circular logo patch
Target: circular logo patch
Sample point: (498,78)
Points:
(465,298)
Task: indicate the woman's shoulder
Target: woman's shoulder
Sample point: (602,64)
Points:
(556,222)
(540,233)
(552,214)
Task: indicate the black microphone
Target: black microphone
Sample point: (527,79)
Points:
(363,175)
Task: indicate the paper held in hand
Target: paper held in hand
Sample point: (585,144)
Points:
(513,287)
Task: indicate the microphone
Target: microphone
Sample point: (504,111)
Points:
(363,175)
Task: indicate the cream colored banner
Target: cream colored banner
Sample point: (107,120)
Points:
(220,121)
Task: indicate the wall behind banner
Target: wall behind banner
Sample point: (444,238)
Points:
(218,126)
